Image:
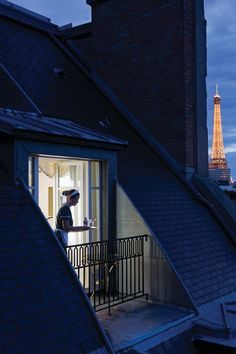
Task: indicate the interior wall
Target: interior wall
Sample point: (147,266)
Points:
(161,282)
(45,182)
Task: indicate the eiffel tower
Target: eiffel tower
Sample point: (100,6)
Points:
(218,166)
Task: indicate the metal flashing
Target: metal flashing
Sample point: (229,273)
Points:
(36,123)
(26,11)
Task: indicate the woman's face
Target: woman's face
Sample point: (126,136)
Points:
(75,200)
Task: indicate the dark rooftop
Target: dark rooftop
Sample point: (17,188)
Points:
(197,245)
(43,308)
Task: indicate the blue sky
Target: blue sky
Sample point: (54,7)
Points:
(221,47)
(60,12)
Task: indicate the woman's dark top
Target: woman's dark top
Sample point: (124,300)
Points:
(63,213)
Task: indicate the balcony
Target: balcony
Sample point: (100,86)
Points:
(111,272)
(121,278)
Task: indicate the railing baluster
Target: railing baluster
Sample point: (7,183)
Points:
(138,268)
(142,242)
(122,273)
(99,280)
(126,268)
(135,290)
(94,285)
(105,283)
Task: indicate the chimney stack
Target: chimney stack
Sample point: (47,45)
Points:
(153,55)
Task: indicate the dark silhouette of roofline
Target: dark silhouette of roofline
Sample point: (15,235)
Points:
(78,32)
(17,13)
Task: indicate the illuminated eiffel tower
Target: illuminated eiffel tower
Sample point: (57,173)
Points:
(218,167)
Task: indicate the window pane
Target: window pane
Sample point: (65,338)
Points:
(95,214)
(67,176)
(31,173)
(95,175)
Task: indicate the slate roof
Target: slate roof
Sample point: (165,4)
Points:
(16,98)
(194,242)
(181,344)
(42,305)
(24,47)
(16,121)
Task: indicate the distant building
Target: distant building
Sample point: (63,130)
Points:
(218,166)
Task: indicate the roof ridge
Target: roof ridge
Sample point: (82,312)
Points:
(25,10)
(27,17)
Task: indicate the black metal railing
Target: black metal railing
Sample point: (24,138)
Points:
(111,272)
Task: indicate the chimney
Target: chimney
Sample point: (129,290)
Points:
(153,55)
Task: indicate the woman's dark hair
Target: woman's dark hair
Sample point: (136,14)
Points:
(71,191)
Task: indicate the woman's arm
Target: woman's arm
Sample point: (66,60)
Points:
(67,227)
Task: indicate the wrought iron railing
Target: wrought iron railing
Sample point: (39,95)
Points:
(111,272)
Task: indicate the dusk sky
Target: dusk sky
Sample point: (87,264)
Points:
(221,46)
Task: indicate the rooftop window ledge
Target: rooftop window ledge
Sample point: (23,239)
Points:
(157,336)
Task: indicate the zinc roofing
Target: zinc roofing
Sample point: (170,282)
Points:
(16,121)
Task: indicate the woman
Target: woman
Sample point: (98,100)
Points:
(64,221)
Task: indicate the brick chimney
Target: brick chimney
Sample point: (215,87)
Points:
(153,55)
